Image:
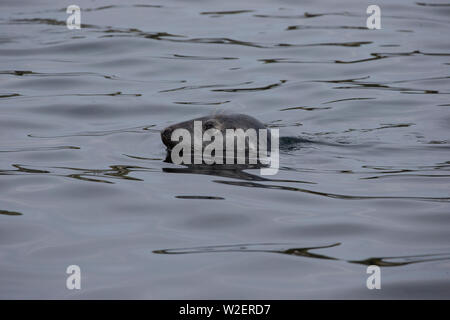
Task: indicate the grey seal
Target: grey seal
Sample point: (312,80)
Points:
(222,122)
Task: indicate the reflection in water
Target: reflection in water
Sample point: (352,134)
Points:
(402,260)
(305,108)
(301,27)
(38,149)
(305,252)
(221,13)
(118,171)
(406,176)
(263,247)
(286,143)
(200,197)
(444,166)
(269,86)
(348,99)
(235,171)
(10,95)
(306,15)
(358,84)
(232,171)
(213,171)
(201,103)
(185,57)
(164,36)
(10,213)
(203,87)
(433,4)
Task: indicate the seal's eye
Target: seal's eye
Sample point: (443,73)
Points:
(209,124)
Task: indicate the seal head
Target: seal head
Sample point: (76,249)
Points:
(222,122)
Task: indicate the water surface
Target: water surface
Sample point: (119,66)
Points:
(82,176)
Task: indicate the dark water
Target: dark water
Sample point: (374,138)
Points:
(82,177)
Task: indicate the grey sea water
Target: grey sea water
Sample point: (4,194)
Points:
(82,176)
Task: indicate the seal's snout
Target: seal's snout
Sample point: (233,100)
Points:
(165,136)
